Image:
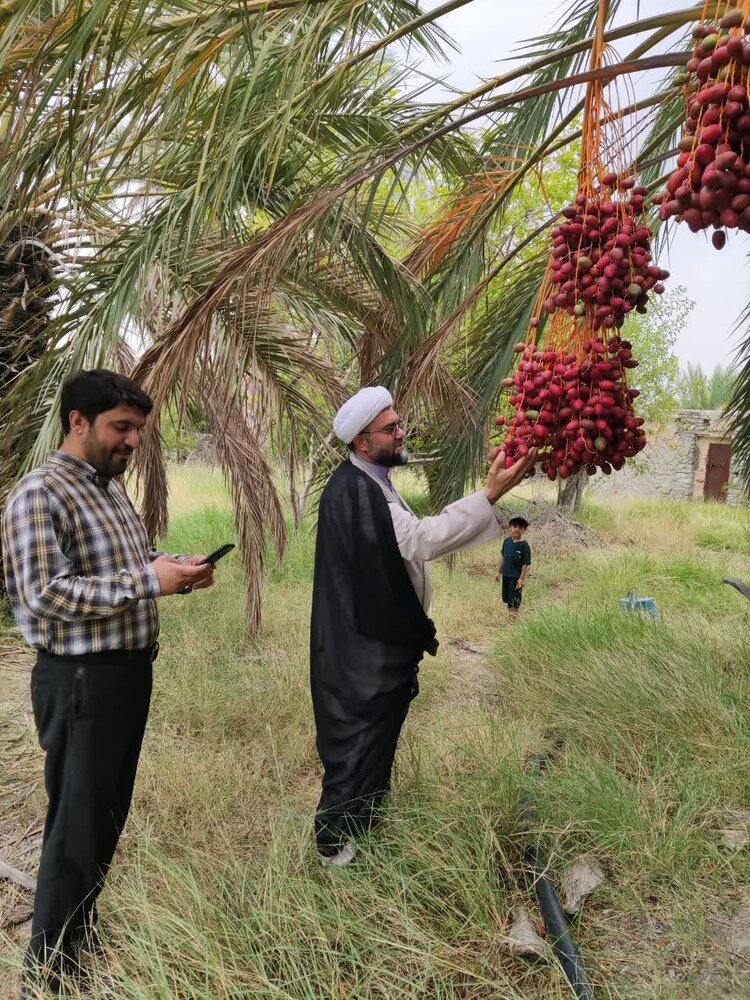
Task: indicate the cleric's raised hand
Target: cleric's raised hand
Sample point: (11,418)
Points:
(501,480)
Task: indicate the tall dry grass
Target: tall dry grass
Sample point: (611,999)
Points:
(217,894)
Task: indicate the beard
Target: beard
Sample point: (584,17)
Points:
(391,459)
(108,462)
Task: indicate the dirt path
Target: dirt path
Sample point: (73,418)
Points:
(471,676)
(21,803)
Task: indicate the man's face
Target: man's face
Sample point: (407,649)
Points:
(109,441)
(382,443)
(516,532)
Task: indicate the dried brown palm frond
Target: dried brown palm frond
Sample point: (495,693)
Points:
(150,470)
(447,393)
(240,451)
(277,356)
(439,237)
(371,315)
(250,275)
(124,357)
(373,290)
(258,385)
(424,363)
(255,501)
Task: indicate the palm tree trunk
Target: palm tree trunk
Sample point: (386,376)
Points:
(570,492)
(27,283)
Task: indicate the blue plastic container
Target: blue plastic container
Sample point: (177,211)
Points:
(640,605)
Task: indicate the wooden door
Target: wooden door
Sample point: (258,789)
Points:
(717,472)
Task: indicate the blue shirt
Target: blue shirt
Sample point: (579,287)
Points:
(515,556)
(381,471)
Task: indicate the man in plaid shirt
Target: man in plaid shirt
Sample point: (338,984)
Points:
(83,582)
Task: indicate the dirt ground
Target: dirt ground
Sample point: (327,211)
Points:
(554,533)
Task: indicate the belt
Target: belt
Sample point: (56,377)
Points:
(108,657)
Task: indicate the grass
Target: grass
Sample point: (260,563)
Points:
(216,893)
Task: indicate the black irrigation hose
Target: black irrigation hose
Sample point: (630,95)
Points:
(555,924)
(740,586)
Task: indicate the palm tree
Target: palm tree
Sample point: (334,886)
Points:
(237,182)
(166,145)
(27,285)
(701,391)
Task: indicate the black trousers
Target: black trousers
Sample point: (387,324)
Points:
(90,714)
(357,771)
(512,594)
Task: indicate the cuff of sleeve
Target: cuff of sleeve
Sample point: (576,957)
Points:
(146,583)
(483,503)
(494,520)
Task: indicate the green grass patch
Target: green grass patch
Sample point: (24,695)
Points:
(217,893)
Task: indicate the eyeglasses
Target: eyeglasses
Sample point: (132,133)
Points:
(390,429)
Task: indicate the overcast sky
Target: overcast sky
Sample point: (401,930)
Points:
(718,281)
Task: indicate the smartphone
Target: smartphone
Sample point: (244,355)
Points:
(218,554)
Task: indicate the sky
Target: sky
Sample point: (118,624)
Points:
(487,32)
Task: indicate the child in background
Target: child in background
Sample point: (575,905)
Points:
(515,560)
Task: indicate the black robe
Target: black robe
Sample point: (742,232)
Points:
(367,636)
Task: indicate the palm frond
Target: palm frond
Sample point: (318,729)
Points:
(255,502)
(738,407)
(480,359)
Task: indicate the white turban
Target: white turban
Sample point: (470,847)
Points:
(357,412)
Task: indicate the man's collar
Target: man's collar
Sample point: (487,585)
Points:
(75,464)
(381,471)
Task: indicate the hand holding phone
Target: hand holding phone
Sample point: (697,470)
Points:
(211,560)
(218,554)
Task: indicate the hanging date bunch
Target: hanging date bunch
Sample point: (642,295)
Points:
(711,186)
(601,254)
(570,396)
(575,405)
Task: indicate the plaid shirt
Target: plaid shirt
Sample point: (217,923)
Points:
(77,561)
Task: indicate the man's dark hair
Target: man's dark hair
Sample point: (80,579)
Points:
(98,390)
(519,522)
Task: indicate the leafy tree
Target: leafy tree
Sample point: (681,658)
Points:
(699,390)
(653,336)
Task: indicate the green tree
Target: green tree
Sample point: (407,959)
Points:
(162,139)
(653,336)
(698,390)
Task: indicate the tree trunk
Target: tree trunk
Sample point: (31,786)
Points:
(27,284)
(570,492)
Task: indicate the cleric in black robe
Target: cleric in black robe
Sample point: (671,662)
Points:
(371,596)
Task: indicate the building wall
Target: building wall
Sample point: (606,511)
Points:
(672,466)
